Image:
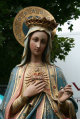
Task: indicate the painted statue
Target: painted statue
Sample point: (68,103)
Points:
(37,88)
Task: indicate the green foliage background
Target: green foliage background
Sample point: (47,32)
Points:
(11,51)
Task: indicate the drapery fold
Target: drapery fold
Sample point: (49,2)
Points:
(34,109)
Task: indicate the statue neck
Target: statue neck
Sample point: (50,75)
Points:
(36,59)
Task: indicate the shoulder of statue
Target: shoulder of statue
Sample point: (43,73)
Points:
(14,69)
(52,65)
(17,72)
(21,67)
(57,69)
(18,69)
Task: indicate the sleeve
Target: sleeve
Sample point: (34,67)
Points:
(60,78)
(61,81)
(8,92)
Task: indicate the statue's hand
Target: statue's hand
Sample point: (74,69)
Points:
(65,93)
(34,88)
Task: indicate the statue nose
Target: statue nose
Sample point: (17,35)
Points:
(38,45)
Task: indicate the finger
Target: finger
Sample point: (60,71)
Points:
(67,86)
(40,90)
(38,82)
(40,85)
(33,82)
(69,91)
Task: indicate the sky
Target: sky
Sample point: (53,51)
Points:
(76,26)
(71,65)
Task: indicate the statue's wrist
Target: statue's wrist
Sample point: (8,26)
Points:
(61,102)
(24,98)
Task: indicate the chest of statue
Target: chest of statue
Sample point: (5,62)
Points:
(34,73)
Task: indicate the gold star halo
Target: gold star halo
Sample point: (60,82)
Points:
(19,25)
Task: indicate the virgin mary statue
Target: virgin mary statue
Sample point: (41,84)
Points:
(37,89)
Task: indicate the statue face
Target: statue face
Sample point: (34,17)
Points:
(38,43)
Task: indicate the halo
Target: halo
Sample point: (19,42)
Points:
(19,27)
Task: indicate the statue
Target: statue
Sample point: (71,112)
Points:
(37,88)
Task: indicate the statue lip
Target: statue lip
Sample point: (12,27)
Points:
(37,49)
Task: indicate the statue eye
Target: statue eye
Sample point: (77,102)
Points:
(35,39)
(43,41)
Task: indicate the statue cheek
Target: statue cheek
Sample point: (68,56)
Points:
(43,48)
(32,46)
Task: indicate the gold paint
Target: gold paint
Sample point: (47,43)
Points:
(42,69)
(23,15)
(17,80)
